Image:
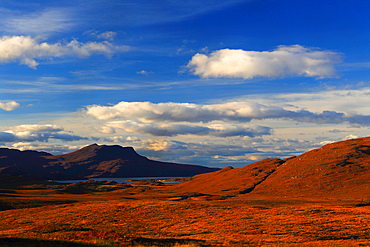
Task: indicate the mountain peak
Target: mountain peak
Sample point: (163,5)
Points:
(93,161)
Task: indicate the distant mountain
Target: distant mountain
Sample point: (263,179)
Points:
(339,170)
(89,162)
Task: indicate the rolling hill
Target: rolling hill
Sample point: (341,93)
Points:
(91,161)
(338,170)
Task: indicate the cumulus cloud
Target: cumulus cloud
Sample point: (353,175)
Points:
(169,129)
(37,128)
(283,61)
(148,112)
(9,106)
(182,112)
(27,50)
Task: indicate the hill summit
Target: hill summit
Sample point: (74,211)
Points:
(89,162)
(336,170)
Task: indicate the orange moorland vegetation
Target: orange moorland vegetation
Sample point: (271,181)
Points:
(320,198)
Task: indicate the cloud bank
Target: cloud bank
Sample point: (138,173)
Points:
(229,119)
(283,61)
(241,112)
(27,50)
(32,133)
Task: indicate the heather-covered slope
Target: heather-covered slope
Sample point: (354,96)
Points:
(339,170)
(91,161)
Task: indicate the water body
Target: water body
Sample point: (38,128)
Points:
(120,180)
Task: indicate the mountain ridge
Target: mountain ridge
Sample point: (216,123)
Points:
(89,162)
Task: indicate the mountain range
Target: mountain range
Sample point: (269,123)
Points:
(93,161)
(339,170)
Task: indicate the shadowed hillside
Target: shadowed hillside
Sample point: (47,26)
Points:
(337,170)
(15,162)
(91,161)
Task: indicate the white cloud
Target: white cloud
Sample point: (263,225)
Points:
(180,112)
(148,112)
(27,50)
(9,105)
(283,61)
(231,120)
(37,128)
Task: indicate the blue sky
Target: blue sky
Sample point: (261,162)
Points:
(212,82)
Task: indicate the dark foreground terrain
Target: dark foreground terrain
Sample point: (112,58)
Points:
(320,198)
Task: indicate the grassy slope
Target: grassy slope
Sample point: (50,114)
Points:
(148,216)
